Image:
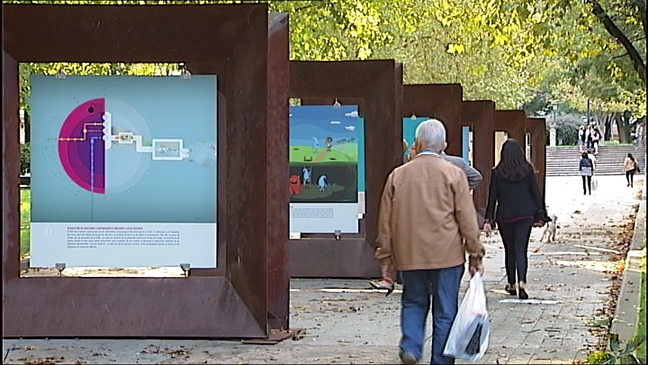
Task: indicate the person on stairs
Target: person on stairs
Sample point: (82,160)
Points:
(515,205)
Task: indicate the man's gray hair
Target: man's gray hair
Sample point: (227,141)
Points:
(432,134)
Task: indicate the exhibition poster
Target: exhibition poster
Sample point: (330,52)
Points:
(324,168)
(123,171)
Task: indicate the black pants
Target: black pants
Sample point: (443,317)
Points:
(587,184)
(590,144)
(515,237)
(630,177)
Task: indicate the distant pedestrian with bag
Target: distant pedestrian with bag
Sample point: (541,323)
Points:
(515,205)
(586,169)
(630,167)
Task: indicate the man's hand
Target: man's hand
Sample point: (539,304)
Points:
(475,265)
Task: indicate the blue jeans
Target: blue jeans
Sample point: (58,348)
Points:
(418,286)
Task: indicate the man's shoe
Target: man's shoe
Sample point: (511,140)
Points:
(408,358)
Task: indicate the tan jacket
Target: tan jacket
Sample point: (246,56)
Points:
(628,164)
(425,211)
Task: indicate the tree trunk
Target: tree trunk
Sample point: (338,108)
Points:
(607,125)
(623,124)
(634,55)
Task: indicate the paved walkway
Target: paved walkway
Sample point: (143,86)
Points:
(345,322)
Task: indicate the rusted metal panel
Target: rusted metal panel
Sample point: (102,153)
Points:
(371,85)
(537,128)
(479,115)
(10,171)
(512,122)
(109,33)
(442,101)
(328,258)
(126,307)
(277,165)
(232,41)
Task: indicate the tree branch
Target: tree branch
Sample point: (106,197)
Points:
(637,61)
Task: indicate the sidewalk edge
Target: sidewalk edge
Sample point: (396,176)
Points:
(629,301)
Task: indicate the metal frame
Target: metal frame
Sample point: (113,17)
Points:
(442,101)
(513,123)
(375,86)
(538,130)
(480,114)
(238,299)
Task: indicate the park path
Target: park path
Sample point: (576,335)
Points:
(571,282)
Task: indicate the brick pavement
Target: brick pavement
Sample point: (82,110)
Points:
(348,323)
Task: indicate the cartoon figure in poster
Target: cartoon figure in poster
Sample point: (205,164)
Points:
(328,175)
(329,143)
(322,182)
(315,144)
(307,176)
(295,185)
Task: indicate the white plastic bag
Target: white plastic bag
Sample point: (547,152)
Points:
(594,184)
(468,338)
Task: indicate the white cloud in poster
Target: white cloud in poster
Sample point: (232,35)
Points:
(350,128)
(353,114)
(336,122)
(290,115)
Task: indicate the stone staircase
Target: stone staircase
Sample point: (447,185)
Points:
(564,160)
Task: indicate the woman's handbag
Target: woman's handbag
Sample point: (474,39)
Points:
(637,168)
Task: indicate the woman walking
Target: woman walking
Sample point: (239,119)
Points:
(630,167)
(586,170)
(515,205)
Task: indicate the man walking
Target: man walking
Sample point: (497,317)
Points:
(426,214)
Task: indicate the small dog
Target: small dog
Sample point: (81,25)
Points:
(550,230)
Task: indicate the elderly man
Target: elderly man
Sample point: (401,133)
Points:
(474,179)
(427,224)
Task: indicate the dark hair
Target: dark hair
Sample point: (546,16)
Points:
(631,157)
(513,165)
(584,155)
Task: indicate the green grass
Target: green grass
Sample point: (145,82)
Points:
(346,153)
(25,221)
(641,326)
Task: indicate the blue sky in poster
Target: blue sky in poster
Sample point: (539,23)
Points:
(409,128)
(322,121)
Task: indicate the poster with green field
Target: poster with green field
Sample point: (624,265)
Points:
(324,171)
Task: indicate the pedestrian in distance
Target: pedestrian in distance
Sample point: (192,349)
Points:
(581,139)
(586,168)
(630,168)
(515,205)
(427,225)
(596,138)
(589,138)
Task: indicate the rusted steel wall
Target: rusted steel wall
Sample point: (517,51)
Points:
(512,122)
(441,101)
(232,41)
(276,166)
(373,85)
(479,115)
(537,128)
